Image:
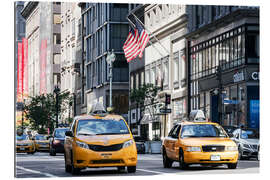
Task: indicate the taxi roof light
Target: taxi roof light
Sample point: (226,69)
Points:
(97,109)
(197,116)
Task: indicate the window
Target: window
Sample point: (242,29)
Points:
(253,48)
(153,75)
(56,58)
(56,19)
(57,38)
(73,27)
(176,67)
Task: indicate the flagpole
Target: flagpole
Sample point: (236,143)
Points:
(150,32)
(149,39)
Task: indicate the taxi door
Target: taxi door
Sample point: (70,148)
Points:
(175,143)
(168,142)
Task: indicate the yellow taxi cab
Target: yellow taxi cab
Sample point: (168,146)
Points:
(24,144)
(41,142)
(204,143)
(99,140)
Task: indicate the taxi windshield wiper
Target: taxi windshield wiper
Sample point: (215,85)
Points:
(111,133)
(85,134)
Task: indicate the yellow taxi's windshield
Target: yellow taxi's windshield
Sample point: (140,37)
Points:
(22,137)
(40,137)
(101,127)
(202,130)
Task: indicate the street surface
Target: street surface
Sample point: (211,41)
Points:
(42,165)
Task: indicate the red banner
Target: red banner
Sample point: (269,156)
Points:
(43,57)
(25,58)
(20,74)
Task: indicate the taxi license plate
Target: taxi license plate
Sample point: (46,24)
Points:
(215,157)
(106,156)
(22,148)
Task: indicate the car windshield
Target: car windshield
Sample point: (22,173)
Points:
(40,137)
(101,127)
(22,137)
(60,133)
(202,130)
(249,134)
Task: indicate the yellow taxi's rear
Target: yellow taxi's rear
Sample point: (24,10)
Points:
(100,141)
(41,143)
(24,144)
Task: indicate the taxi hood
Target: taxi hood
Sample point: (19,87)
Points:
(207,141)
(23,141)
(105,139)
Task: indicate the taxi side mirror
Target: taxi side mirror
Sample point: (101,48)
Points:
(69,133)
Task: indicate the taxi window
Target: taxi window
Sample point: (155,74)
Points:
(202,130)
(171,131)
(22,137)
(101,127)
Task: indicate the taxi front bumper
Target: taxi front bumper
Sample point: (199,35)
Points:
(42,147)
(210,157)
(25,149)
(88,158)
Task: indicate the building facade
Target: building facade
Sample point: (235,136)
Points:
(223,63)
(19,33)
(164,66)
(42,32)
(105,28)
(71,55)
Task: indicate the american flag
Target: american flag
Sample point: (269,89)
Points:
(143,39)
(131,46)
(136,41)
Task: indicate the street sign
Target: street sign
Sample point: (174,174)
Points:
(165,111)
(225,101)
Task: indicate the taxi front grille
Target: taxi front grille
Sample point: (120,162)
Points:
(107,161)
(213,148)
(114,147)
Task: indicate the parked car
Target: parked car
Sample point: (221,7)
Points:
(57,141)
(229,130)
(140,144)
(99,140)
(248,143)
(24,144)
(41,142)
(202,143)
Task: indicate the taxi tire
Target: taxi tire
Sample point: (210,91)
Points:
(120,168)
(182,163)
(67,167)
(74,171)
(131,169)
(167,163)
(232,165)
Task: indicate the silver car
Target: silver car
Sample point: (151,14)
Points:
(248,143)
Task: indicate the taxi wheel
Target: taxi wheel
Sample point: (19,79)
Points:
(131,169)
(121,168)
(182,163)
(232,165)
(167,163)
(52,152)
(74,170)
(67,167)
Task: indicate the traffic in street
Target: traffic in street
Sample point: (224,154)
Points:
(41,164)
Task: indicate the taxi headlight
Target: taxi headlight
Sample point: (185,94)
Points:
(231,148)
(193,149)
(82,144)
(246,146)
(128,143)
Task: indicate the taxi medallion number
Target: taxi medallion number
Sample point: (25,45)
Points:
(215,158)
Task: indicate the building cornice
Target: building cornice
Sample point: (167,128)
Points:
(28,8)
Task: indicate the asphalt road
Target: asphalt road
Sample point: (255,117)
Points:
(42,165)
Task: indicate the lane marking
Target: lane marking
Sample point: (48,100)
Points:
(36,172)
(155,172)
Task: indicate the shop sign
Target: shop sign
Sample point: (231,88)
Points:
(239,76)
(255,76)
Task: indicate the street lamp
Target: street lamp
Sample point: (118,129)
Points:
(110,59)
(56,91)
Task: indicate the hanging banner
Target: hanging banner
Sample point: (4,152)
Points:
(19,74)
(43,57)
(25,69)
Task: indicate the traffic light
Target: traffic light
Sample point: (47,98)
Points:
(167,99)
